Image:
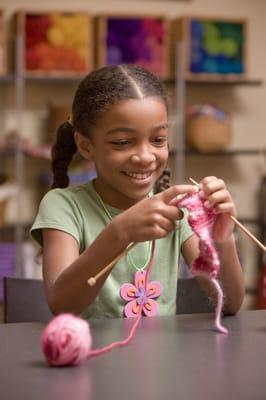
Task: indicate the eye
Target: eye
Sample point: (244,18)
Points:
(160,141)
(122,142)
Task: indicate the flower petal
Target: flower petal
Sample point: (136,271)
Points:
(150,308)
(154,289)
(132,309)
(140,277)
(128,291)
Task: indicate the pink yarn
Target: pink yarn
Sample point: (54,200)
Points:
(66,339)
(201,220)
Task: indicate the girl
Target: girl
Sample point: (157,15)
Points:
(119,120)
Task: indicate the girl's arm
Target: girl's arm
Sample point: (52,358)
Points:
(66,272)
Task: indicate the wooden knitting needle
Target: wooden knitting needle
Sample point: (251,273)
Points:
(93,279)
(255,240)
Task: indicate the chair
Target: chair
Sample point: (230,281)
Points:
(191,298)
(24,301)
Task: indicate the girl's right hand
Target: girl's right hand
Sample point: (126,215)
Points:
(151,218)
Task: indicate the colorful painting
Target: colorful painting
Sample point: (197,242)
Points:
(57,42)
(140,40)
(216,47)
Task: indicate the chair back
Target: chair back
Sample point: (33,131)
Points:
(191,298)
(24,301)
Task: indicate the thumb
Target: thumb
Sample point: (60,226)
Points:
(169,194)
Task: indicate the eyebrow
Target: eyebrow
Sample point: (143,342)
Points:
(130,130)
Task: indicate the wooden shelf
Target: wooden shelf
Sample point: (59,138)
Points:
(7,79)
(4,79)
(227,153)
(220,82)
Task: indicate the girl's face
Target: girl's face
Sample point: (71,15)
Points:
(129,146)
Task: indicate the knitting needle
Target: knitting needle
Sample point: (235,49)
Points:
(92,281)
(255,240)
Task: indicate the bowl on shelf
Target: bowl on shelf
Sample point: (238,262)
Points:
(208,128)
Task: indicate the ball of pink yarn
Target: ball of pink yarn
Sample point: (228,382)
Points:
(66,340)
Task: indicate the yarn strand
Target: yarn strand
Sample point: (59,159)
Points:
(105,349)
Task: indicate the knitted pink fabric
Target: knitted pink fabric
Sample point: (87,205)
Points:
(201,220)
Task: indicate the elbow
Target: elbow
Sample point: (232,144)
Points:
(57,307)
(232,308)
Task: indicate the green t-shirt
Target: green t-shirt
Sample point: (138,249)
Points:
(77,211)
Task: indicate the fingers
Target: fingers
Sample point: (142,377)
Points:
(216,195)
(165,225)
(211,184)
(169,194)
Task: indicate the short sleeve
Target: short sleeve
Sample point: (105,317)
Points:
(57,210)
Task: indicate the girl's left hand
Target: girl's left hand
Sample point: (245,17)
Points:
(216,195)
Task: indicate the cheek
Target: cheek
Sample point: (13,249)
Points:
(163,155)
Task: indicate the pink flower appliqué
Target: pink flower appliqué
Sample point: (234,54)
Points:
(139,299)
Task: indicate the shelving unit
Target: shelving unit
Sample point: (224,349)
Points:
(182,154)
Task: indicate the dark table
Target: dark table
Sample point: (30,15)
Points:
(178,357)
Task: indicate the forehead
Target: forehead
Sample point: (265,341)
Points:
(150,111)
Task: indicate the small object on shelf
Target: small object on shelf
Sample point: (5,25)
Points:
(141,40)
(208,128)
(2,45)
(55,43)
(214,48)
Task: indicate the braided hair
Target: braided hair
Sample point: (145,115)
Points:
(96,93)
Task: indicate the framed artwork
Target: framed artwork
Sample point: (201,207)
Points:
(214,47)
(56,43)
(141,40)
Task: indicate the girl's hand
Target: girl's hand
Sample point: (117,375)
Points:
(152,218)
(214,191)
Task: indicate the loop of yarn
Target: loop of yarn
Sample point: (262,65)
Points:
(66,340)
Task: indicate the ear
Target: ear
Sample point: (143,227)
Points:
(83,145)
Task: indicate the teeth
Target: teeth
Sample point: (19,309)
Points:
(137,175)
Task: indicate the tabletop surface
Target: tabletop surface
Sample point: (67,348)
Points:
(179,357)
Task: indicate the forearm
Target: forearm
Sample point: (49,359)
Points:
(71,292)
(231,276)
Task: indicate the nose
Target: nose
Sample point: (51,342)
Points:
(143,156)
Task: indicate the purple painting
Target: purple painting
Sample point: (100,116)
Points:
(137,40)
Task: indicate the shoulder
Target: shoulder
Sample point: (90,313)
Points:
(70,196)
(62,209)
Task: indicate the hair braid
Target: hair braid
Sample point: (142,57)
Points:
(163,182)
(62,153)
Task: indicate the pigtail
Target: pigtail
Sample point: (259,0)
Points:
(163,182)
(62,153)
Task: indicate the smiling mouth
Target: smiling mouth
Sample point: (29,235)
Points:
(138,175)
